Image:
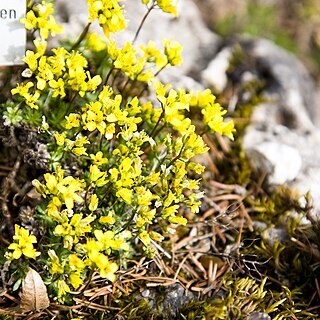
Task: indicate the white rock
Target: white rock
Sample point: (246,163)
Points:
(216,72)
(281,161)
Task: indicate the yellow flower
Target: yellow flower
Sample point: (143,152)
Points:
(107,269)
(107,239)
(212,113)
(145,216)
(60,138)
(41,18)
(212,116)
(178,220)
(196,167)
(152,54)
(58,87)
(73,230)
(93,205)
(172,50)
(96,42)
(41,46)
(93,117)
(30,21)
(167,212)
(51,183)
(125,194)
(79,151)
(156,236)
(98,159)
(73,121)
(109,219)
(76,266)
(23,244)
(109,14)
(31,59)
(63,288)
(54,207)
(76,62)
(145,238)
(169,6)
(55,265)
(76,263)
(93,83)
(97,176)
(75,280)
(23,91)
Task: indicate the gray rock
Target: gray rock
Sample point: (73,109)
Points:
(292,83)
(273,235)
(258,316)
(215,74)
(289,118)
(280,161)
(169,300)
(175,299)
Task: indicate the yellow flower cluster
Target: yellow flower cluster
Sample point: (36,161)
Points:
(64,190)
(120,164)
(59,72)
(109,15)
(95,42)
(169,6)
(40,17)
(72,267)
(140,67)
(74,230)
(93,254)
(30,98)
(176,103)
(22,245)
(212,113)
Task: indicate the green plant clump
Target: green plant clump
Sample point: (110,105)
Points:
(118,171)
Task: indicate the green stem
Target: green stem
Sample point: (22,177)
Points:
(152,134)
(46,103)
(177,157)
(115,77)
(81,37)
(142,23)
(125,85)
(128,222)
(159,130)
(69,108)
(108,75)
(157,73)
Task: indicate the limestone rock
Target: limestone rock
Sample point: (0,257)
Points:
(280,161)
(169,300)
(215,74)
(258,316)
(291,81)
(284,131)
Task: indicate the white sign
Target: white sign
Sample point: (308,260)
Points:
(12,32)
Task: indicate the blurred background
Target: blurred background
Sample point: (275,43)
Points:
(291,24)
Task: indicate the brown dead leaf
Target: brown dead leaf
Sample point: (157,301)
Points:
(34,293)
